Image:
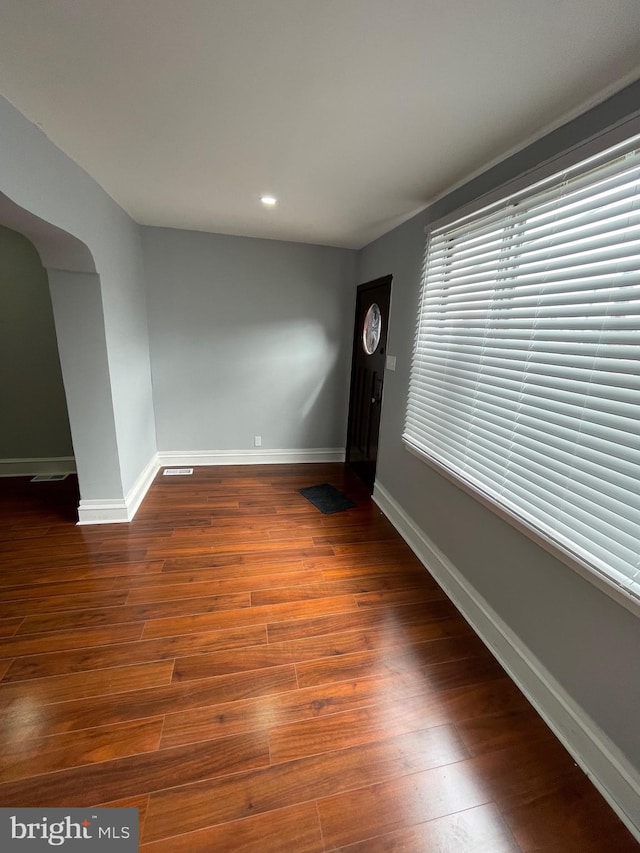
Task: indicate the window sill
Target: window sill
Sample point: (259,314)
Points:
(622,595)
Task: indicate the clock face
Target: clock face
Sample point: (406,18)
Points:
(372,329)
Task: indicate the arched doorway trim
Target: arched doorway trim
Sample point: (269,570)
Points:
(78,315)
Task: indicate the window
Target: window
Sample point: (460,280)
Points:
(525,379)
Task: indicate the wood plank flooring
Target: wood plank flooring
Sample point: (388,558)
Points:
(255,676)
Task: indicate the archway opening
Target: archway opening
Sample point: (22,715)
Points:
(35,435)
(73,420)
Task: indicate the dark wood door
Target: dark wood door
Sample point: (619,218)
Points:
(367,376)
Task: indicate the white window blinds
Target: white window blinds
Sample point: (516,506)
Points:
(525,380)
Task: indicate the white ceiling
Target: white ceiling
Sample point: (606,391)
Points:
(354,113)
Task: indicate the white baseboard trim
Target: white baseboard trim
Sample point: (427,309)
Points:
(119,511)
(37,465)
(137,492)
(251,456)
(607,767)
(102,512)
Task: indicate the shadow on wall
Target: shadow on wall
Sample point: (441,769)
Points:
(287,381)
(248,337)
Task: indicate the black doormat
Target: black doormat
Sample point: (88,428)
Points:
(327,498)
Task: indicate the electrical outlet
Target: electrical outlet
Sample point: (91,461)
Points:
(257,441)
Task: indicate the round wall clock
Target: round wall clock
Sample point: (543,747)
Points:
(371,329)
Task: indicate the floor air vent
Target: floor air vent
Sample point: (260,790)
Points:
(48,478)
(177,472)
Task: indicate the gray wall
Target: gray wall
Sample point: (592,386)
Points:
(35,422)
(77,308)
(590,643)
(38,178)
(248,337)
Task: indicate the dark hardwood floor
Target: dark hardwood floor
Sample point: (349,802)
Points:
(255,676)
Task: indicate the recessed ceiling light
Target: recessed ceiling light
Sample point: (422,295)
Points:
(268,200)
